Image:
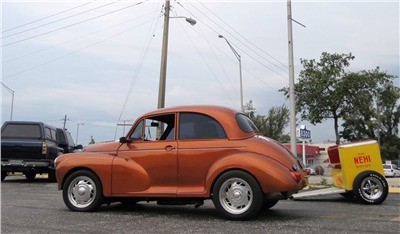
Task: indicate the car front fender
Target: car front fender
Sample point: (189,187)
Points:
(100,164)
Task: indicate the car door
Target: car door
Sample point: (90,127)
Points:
(201,142)
(147,164)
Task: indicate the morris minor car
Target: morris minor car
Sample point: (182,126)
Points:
(184,155)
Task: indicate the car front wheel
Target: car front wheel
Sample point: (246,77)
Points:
(82,191)
(237,195)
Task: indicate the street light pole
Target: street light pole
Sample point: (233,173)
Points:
(77,131)
(239,58)
(292,114)
(12,99)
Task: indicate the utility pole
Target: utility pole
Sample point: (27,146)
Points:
(65,121)
(164,52)
(292,114)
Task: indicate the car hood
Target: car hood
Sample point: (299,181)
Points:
(103,147)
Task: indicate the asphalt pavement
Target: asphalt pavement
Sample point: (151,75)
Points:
(37,207)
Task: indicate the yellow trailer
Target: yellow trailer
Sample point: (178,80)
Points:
(357,171)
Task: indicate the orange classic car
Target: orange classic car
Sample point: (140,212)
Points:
(184,155)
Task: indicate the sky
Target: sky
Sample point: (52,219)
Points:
(98,62)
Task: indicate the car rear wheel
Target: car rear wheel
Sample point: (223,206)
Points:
(370,187)
(82,191)
(269,204)
(237,195)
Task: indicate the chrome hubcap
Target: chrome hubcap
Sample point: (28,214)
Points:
(236,196)
(371,188)
(81,191)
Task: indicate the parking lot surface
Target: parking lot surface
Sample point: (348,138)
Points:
(37,207)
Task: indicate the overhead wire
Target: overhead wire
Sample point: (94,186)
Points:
(73,52)
(205,38)
(253,44)
(135,77)
(55,21)
(46,17)
(72,40)
(208,66)
(230,57)
(243,51)
(74,24)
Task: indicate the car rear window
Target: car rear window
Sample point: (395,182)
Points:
(245,124)
(199,126)
(21,131)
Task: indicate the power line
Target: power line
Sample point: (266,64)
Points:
(52,22)
(75,39)
(73,52)
(70,9)
(208,66)
(233,43)
(244,37)
(83,21)
(139,67)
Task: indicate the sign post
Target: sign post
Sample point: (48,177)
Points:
(304,134)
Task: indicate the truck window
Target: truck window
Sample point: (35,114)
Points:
(21,131)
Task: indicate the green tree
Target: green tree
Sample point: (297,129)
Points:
(376,117)
(318,91)
(326,91)
(273,124)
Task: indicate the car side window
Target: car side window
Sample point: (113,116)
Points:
(50,134)
(199,126)
(155,128)
(138,132)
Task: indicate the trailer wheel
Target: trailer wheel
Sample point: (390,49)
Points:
(370,187)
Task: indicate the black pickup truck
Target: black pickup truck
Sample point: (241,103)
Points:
(31,147)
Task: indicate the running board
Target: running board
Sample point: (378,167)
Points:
(319,192)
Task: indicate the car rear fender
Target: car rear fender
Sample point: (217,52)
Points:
(99,164)
(270,174)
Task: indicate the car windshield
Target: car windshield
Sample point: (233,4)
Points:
(245,123)
(387,166)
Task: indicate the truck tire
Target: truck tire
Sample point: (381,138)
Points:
(3,175)
(82,191)
(370,187)
(30,175)
(237,195)
(52,176)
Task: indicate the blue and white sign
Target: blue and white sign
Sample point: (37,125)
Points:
(305,134)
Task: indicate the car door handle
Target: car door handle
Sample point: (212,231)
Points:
(169,148)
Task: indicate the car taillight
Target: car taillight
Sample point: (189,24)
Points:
(44,148)
(296,176)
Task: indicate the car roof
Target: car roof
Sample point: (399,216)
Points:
(225,116)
